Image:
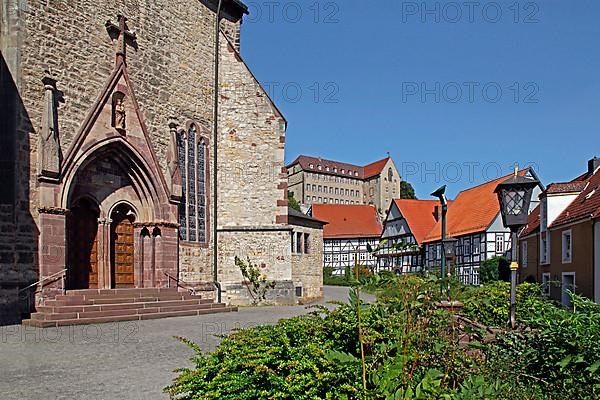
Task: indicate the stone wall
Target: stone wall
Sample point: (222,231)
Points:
(172,76)
(269,249)
(307,269)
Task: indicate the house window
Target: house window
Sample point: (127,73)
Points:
(306,243)
(390,174)
(192,150)
(320,188)
(546,284)
(293,242)
(327,257)
(544,249)
(567,245)
(499,244)
(524,254)
(298,242)
(308,187)
(314,187)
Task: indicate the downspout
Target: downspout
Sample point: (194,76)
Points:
(215,137)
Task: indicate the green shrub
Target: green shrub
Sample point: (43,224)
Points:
(489,270)
(411,350)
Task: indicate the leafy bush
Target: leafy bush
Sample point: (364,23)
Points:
(489,271)
(489,304)
(411,350)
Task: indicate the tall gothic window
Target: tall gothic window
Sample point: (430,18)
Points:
(192,162)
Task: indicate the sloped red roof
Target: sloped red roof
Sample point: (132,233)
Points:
(533,222)
(566,187)
(330,167)
(348,221)
(472,211)
(419,214)
(586,204)
(375,168)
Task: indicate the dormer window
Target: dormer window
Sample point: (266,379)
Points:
(343,171)
(335,170)
(327,169)
(311,166)
(319,167)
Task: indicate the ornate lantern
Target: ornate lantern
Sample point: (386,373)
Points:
(514,195)
(450,248)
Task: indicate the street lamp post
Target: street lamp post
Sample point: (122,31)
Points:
(441,194)
(450,256)
(514,196)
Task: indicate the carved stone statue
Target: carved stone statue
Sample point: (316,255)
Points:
(173,162)
(119,113)
(49,146)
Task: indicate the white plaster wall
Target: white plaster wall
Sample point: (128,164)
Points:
(557,204)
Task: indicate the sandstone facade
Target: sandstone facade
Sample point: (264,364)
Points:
(167,78)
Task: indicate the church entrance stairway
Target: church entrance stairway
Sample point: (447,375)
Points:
(93,306)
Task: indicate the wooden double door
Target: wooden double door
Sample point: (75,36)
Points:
(84,247)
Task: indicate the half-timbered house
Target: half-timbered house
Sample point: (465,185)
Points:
(349,231)
(474,219)
(406,225)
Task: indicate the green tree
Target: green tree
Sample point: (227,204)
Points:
(292,202)
(407,191)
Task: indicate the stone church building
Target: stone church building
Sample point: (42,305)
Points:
(107,152)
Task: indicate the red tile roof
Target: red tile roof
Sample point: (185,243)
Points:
(350,170)
(566,187)
(586,204)
(375,168)
(533,222)
(348,221)
(419,214)
(472,211)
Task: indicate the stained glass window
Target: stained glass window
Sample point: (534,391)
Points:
(182,206)
(192,162)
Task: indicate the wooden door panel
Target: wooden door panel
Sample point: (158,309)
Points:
(83,248)
(123,254)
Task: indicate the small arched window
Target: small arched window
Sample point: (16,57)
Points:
(390,175)
(192,149)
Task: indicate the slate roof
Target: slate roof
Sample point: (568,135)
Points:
(350,170)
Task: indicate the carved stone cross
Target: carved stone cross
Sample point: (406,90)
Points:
(123,35)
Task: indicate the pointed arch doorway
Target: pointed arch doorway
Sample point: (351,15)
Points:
(122,266)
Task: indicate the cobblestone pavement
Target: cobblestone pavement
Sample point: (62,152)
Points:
(127,360)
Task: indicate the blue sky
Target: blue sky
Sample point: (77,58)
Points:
(456,93)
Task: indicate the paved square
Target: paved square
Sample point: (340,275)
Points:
(128,360)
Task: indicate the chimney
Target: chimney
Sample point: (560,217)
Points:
(593,165)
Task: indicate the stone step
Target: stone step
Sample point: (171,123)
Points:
(42,323)
(111,313)
(133,291)
(112,299)
(121,306)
